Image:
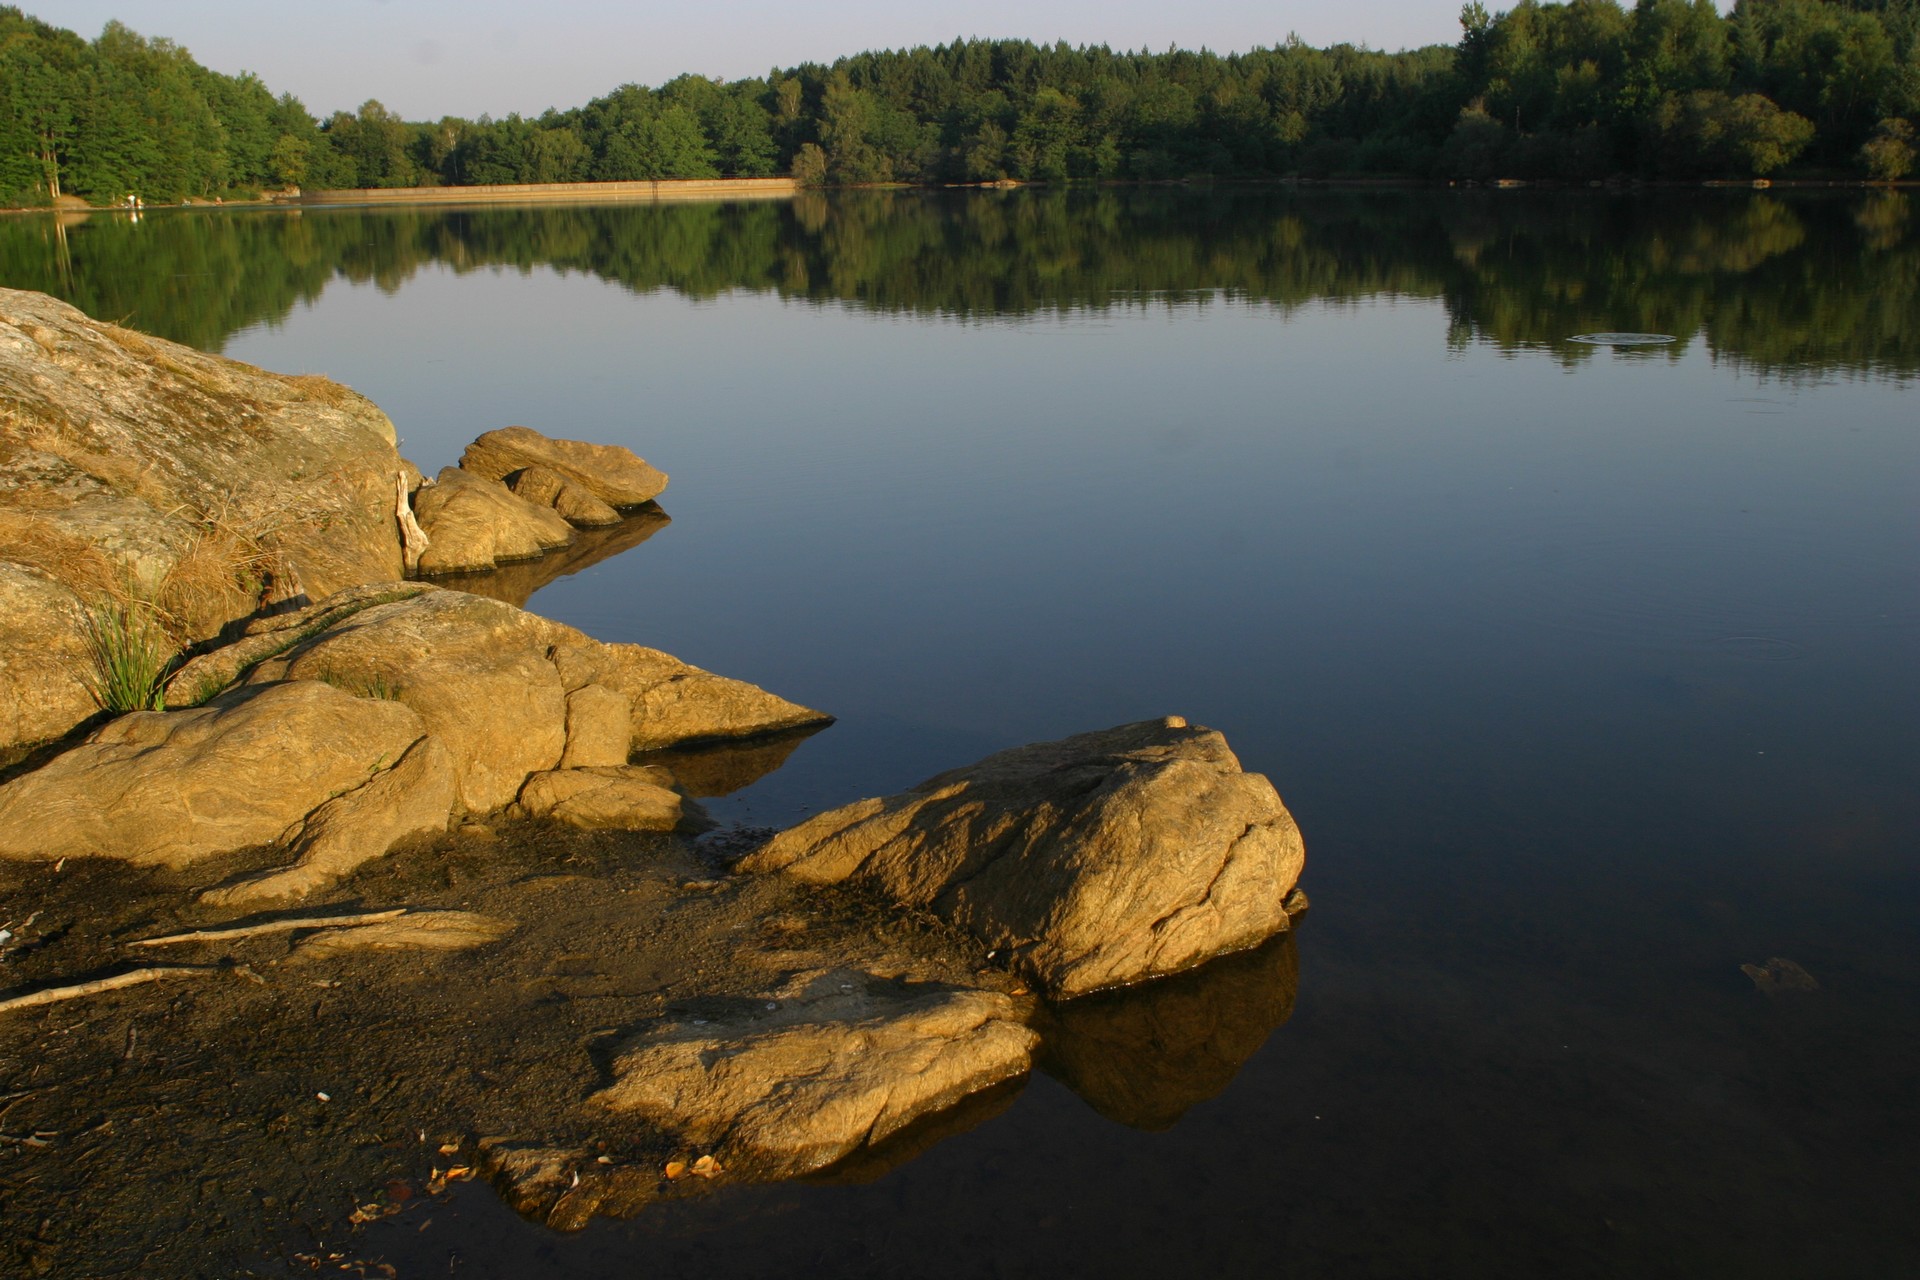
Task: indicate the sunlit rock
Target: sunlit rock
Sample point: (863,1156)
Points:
(44,656)
(836,1060)
(473,523)
(476,671)
(128,463)
(1095,861)
(170,788)
(575,503)
(412,798)
(607,798)
(613,474)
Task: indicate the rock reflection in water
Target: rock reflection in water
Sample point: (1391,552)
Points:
(704,773)
(1143,1056)
(515,583)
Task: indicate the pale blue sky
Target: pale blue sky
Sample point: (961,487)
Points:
(428,58)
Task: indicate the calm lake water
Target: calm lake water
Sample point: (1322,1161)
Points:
(1589,673)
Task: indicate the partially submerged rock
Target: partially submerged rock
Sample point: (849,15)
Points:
(615,798)
(172,788)
(675,703)
(575,503)
(473,523)
(832,1062)
(615,475)
(1095,861)
(515,583)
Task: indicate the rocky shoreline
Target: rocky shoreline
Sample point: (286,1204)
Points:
(353,772)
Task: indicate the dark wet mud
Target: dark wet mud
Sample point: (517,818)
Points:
(245,1118)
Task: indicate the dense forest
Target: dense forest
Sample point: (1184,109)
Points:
(1669,89)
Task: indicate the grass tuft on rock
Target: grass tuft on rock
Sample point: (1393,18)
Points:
(131,654)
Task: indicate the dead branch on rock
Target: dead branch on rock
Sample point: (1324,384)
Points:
(131,978)
(273,926)
(413,539)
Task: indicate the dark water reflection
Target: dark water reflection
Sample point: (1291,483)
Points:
(1804,283)
(1589,674)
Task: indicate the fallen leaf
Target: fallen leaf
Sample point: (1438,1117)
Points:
(676,1170)
(459,1173)
(706,1167)
(449,1148)
(1779,974)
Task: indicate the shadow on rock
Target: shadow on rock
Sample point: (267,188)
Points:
(514,583)
(1143,1056)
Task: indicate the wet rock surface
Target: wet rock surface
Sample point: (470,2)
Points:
(1095,861)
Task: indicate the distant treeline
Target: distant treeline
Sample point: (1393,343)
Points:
(1668,89)
(1802,285)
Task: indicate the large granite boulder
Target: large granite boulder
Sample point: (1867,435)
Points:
(511,694)
(473,523)
(44,656)
(475,670)
(616,476)
(1092,862)
(127,461)
(413,798)
(836,1060)
(156,432)
(170,788)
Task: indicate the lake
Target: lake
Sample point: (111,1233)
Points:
(1589,672)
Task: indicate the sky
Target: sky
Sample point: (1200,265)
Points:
(428,58)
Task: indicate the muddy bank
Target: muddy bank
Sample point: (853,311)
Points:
(183,1126)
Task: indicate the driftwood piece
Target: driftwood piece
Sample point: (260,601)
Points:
(131,978)
(413,539)
(282,925)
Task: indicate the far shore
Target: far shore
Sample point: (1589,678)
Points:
(674,190)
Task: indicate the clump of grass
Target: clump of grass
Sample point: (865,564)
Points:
(131,654)
(366,684)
